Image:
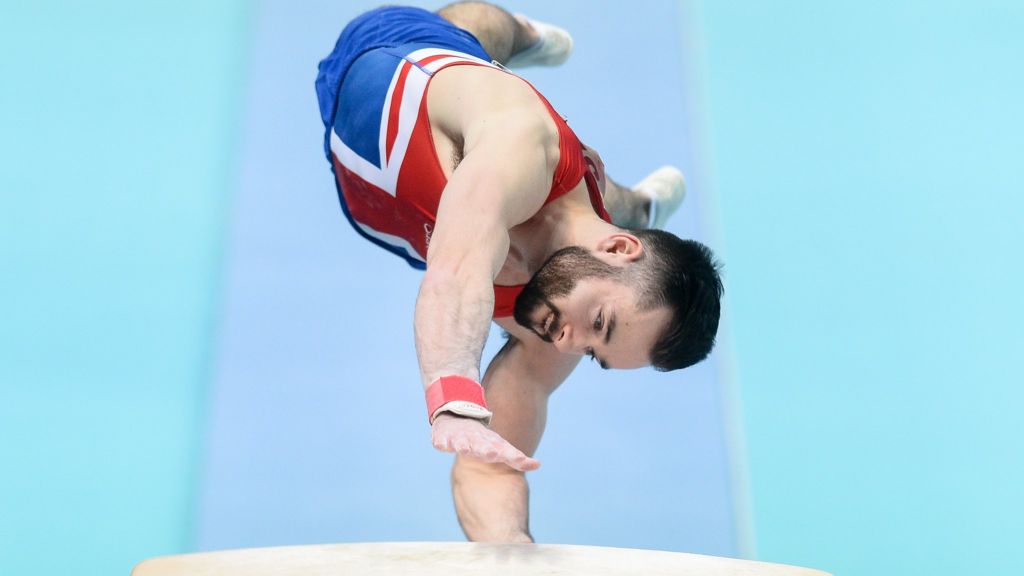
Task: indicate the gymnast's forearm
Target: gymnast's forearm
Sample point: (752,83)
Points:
(491,501)
(451,321)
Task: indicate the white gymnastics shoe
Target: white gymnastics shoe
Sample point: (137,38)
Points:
(666,188)
(552,49)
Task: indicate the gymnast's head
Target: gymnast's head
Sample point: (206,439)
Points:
(638,298)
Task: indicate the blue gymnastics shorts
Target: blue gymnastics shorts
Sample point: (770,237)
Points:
(385,27)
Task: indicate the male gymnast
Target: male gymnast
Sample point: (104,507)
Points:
(442,156)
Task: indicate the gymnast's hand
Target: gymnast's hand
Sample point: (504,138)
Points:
(469,437)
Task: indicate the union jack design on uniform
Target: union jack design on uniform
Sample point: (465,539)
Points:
(382,149)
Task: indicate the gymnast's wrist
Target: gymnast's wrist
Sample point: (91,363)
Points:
(459,396)
(446,415)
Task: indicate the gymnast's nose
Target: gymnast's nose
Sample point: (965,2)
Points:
(565,339)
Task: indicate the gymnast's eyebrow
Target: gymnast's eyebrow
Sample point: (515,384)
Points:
(611,328)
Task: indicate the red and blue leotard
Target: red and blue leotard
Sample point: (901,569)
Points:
(382,152)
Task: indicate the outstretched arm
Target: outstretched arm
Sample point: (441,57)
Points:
(491,499)
(510,154)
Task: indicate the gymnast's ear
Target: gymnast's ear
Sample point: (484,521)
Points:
(619,248)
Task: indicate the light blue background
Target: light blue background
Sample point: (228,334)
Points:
(187,321)
(117,135)
(867,160)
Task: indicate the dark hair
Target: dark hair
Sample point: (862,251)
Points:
(683,275)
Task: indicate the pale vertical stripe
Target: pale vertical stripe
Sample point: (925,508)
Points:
(415,90)
(691,44)
(382,137)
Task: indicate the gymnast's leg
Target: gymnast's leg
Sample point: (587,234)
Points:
(649,203)
(513,40)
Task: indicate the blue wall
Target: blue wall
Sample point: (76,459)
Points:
(118,122)
(867,161)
